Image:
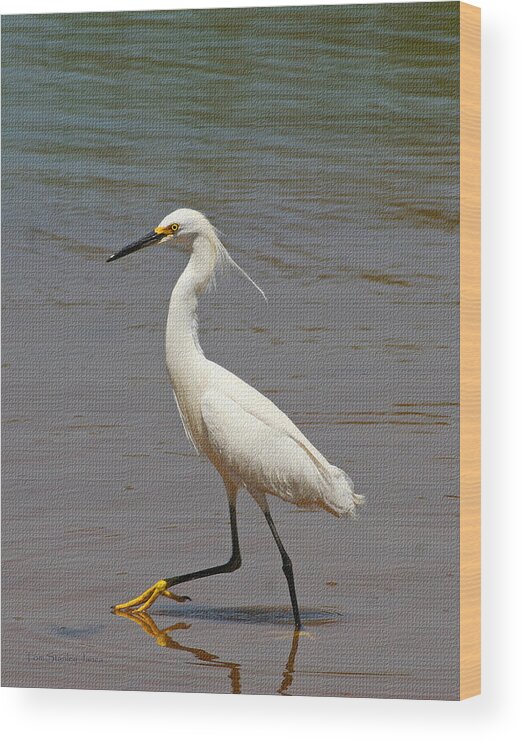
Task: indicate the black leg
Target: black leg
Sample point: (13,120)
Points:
(287,568)
(233,563)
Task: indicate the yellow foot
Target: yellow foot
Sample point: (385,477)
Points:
(146,599)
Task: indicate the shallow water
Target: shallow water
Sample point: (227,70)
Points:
(324,144)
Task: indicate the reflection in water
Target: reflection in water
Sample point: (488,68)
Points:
(163,639)
(288,675)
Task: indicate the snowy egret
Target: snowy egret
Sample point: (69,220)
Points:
(251,443)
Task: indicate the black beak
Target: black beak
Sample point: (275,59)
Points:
(149,239)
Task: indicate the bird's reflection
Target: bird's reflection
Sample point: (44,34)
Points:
(164,639)
(288,674)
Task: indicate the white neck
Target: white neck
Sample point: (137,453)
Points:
(184,354)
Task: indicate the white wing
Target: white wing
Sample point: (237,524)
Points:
(260,445)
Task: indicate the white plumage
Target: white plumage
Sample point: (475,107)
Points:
(243,433)
(266,452)
(248,439)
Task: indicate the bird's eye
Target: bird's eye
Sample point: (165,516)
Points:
(174,227)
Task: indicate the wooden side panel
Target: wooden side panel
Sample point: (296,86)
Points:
(469,351)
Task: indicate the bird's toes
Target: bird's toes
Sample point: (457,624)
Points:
(177,598)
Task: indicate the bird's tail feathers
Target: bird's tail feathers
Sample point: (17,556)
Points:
(340,497)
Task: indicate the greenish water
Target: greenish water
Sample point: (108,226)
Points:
(324,144)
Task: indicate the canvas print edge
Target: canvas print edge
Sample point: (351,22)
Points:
(470,630)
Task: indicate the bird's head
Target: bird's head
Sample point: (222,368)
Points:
(182,226)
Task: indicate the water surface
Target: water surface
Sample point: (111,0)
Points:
(323,142)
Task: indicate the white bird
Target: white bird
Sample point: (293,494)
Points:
(251,443)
